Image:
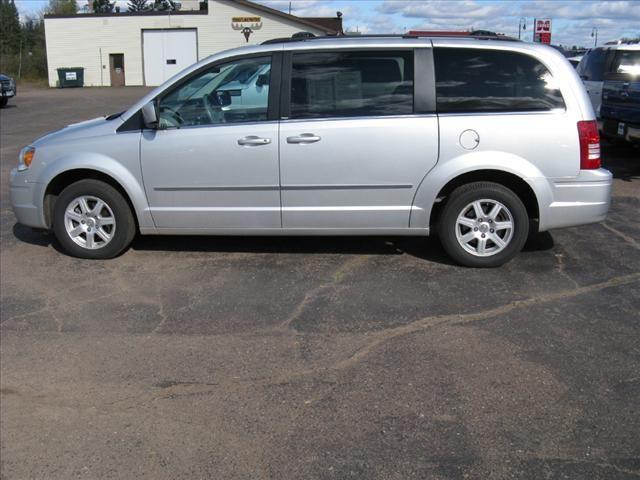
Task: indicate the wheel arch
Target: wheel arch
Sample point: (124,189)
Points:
(65,178)
(510,171)
(513,182)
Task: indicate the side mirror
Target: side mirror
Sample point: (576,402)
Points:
(223,97)
(149,115)
(263,79)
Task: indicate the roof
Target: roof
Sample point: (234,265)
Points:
(323,24)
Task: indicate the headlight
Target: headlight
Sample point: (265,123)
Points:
(26,157)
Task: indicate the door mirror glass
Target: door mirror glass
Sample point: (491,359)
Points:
(223,98)
(149,115)
(263,79)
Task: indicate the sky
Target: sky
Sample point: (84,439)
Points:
(573,21)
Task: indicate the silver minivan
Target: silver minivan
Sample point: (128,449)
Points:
(480,141)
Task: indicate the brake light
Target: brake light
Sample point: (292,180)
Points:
(589,145)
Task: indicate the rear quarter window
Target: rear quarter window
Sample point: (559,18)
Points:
(593,65)
(476,80)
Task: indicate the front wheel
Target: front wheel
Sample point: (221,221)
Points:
(483,224)
(91,219)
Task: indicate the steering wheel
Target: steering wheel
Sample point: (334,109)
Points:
(213,108)
(211,112)
(174,120)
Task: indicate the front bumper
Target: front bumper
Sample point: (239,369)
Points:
(578,201)
(26,200)
(8,92)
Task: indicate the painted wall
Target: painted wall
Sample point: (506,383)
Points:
(87,41)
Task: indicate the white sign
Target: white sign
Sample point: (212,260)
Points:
(70,76)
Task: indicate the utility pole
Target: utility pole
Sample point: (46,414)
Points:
(289,8)
(20,61)
(594,35)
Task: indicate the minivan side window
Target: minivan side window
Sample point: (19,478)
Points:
(351,84)
(479,80)
(233,92)
(593,64)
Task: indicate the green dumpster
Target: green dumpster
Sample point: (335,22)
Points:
(71,77)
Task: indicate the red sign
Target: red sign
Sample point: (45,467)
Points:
(542,30)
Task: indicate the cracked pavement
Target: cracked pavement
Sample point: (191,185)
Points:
(324,358)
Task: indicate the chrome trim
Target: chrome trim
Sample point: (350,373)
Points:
(555,111)
(222,188)
(370,117)
(373,186)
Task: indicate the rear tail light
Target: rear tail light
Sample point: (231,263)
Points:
(589,145)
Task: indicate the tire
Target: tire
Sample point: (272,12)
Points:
(108,227)
(470,242)
(4,101)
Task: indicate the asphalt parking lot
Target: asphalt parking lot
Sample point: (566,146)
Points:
(325,358)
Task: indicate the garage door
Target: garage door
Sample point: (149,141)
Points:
(166,52)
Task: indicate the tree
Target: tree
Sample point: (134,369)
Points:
(103,6)
(62,7)
(10,27)
(138,6)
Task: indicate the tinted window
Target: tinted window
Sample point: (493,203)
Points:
(474,80)
(348,84)
(230,93)
(626,63)
(592,65)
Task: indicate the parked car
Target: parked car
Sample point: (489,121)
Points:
(593,67)
(7,89)
(479,141)
(575,61)
(620,110)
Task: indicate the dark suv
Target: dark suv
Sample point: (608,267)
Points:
(620,111)
(7,89)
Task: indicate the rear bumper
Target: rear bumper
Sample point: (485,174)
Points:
(25,200)
(579,201)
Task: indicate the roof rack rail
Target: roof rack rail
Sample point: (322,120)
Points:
(307,36)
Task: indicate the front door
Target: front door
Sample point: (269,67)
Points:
(116,66)
(213,162)
(352,152)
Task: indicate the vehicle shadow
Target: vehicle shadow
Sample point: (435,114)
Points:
(428,249)
(621,160)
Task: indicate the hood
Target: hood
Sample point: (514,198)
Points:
(4,77)
(88,128)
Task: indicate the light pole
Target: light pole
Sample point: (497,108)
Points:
(594,34)
(522,25)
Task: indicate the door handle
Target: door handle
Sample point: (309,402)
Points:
(304,138)
(253,141)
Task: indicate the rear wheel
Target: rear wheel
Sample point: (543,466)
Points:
(483,224)
(91,219)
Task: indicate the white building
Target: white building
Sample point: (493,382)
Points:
(127,48)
